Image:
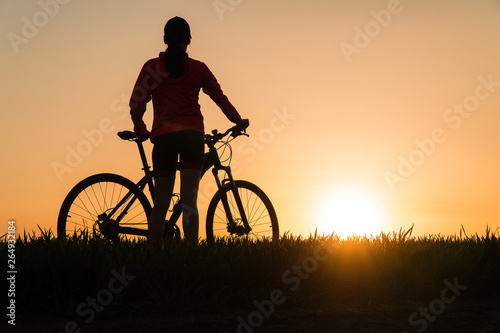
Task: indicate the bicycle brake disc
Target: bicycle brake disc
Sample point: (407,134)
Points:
(171,231)
(237,229)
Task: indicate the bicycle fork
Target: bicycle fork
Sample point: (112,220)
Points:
(232,226)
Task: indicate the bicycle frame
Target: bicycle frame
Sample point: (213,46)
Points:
(211,159)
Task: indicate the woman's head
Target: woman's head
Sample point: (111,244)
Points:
(177,32)
(177,35)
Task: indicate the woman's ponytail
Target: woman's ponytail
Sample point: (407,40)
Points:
(177,34)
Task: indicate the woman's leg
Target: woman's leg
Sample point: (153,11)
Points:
(190,181)
(164,186)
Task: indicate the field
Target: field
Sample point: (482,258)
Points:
(389,283)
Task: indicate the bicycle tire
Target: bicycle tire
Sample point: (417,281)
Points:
(99,194)
(259,210)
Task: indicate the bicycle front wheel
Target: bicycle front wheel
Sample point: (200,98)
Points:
(258,209)
(105,204)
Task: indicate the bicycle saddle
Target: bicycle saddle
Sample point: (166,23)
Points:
(128,135)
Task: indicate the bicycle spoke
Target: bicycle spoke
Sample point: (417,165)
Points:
(92,206)
(84,208)
(255,209)
(134,217)
(91,201)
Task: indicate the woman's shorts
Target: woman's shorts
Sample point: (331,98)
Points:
(186,147)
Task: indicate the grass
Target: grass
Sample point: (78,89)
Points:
(56,276)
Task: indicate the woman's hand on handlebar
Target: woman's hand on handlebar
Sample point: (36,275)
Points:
(143,137)
(243,124)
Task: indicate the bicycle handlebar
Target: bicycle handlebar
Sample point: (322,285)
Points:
(240,129)
(210,139)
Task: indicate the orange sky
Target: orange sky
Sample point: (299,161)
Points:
(401,98)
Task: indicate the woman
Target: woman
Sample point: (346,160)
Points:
(173,82)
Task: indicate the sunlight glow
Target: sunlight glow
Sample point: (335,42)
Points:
(350,210)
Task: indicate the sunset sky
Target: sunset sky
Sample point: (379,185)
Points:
(393,104)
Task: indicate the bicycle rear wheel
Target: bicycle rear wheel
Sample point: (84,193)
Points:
(258,209)
(105,204)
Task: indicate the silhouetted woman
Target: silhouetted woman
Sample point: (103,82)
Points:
(173,81)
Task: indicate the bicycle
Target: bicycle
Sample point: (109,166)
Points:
(112,205)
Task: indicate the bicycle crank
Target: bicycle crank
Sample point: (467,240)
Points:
(108,227)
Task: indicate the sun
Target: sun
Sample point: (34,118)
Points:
(349,210)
